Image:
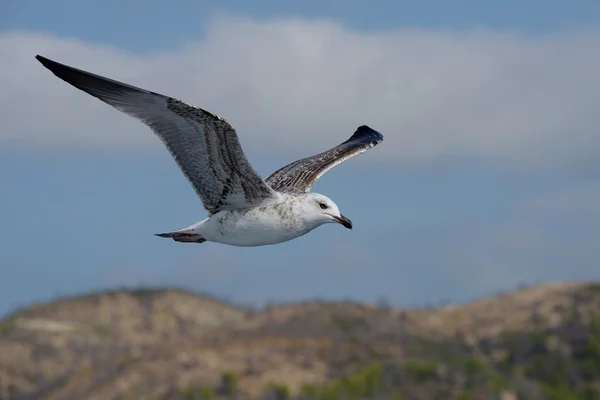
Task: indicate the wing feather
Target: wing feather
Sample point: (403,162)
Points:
(205,146)
(300,176)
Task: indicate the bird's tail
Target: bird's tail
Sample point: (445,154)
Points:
(187,235)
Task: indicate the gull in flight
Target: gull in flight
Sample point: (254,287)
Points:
(243,208)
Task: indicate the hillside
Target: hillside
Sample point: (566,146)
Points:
(536,343)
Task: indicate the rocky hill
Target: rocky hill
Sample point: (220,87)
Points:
(536,343)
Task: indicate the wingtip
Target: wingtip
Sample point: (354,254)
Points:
(45,61)
(365,130)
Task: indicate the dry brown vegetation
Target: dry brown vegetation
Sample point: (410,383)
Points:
(171,344)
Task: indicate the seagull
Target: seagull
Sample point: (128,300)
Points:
(243,208)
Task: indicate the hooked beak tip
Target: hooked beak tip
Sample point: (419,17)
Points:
(344,221)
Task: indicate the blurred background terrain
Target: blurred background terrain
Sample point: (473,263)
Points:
(533,343)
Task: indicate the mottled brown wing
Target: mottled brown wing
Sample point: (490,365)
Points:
(299,176)
(205,146)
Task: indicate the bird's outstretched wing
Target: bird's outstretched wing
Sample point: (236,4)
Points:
(299,176)
(205,146)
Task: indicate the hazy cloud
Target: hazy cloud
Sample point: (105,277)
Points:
(576,202)
(299,85)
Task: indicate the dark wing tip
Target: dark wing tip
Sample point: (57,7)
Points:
(69,73)
(365,134)
(96,85)
(51,65)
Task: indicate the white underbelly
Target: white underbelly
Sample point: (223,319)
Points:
(254,229)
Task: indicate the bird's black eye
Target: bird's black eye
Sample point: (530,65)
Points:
(323,206)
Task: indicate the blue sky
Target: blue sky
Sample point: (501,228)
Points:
(133,25)
(487,177)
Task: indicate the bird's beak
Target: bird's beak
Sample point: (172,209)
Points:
(344,221)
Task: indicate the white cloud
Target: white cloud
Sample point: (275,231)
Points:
(301,85)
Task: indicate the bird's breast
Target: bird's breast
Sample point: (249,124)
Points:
(257,226)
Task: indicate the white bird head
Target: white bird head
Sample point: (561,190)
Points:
(323,210)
